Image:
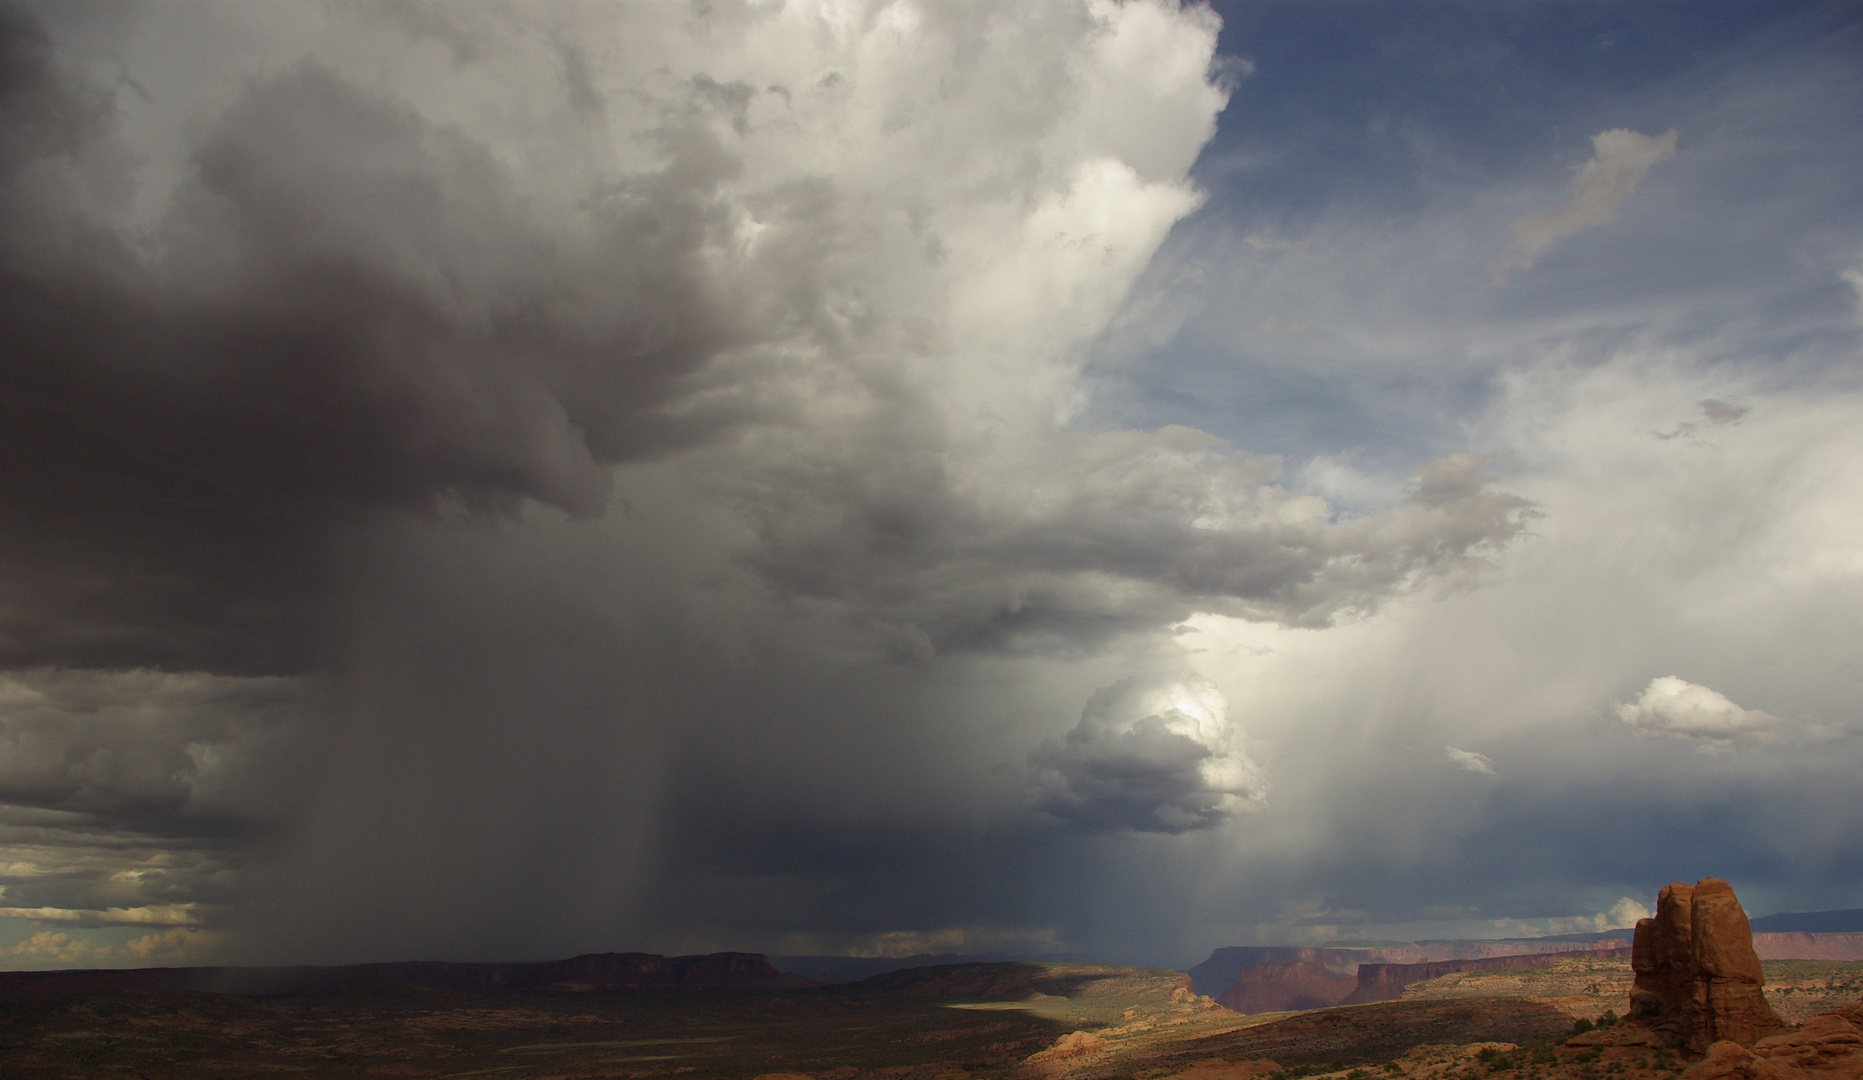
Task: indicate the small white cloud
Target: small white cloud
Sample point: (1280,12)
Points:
(1619,160)
(1624,913)
(1855,278)
(1684,710)
(1472,761)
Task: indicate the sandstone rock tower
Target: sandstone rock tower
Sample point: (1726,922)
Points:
(1698,978)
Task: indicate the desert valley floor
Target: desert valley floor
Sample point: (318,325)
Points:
(971,1020)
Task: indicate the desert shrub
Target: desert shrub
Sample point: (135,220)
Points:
(1295,1072)
(1581,1025)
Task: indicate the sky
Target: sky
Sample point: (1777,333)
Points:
(491,481)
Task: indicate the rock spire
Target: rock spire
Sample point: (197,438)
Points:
(1698,978)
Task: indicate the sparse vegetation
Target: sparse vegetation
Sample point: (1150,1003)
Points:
(1297,1071)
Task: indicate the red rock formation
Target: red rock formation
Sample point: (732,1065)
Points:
(1828,1047)
(1698,978)
(1275,987)
(1072,1045)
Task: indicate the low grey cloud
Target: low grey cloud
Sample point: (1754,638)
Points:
(344,308)
(1092,537)
(1715,413)
(1150,754)
(1619,161)
(135,798)
(155,745)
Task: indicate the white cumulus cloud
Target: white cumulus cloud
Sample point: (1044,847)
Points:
(1685,710)
(1472,761)
(1149,754)
(1624,913)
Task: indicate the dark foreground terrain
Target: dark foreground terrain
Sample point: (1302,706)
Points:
(994,1020)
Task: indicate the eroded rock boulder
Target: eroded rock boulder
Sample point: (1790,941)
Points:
(1698,979)
(1828,1047)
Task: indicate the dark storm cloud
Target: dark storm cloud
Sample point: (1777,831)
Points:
(135,798)
(494,482)
(45,111)
(144,746)
(344,308)
(1105,536)
(297,355)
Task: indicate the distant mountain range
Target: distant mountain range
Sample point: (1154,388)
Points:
(1811,922)
(846,969)
(1341,958)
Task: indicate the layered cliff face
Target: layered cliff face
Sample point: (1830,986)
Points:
(1276,987)
(1698,979)
(1226,965)
(1386,982)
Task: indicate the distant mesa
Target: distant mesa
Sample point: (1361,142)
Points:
(1360,975)
(1263,988)
(591,972)
(1698,978)
(1386,982)
(1225,965)
(846,969)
